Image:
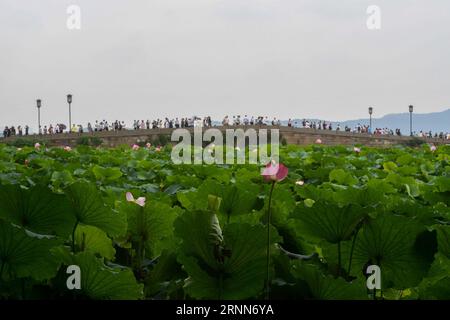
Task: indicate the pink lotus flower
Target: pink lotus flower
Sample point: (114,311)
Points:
(135,147)
(148,145)
(300,182)
(158,149)
(433,148)
(319,141)
(139,201)
(275,172)
(37,146)
(67,148)
(357,150)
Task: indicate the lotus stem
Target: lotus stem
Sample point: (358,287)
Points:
(339,259)
(297,256)
(1,270)
(268,241)
(73,236)
(351,252)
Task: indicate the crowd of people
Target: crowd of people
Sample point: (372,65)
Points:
(13,131)
(187,122)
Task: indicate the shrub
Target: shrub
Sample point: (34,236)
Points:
(20,143)
(414,142)
(86,141)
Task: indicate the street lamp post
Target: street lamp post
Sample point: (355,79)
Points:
(411,109)
(370,115)
(69,101)
(38,104)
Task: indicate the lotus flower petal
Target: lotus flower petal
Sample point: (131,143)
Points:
(130,197)
(140,201)
(282,172)
(274,172)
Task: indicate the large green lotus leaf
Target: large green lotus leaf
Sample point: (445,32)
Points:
(208,234)
(237,198)
(151,225)
(443,238)
(328,221)
(408,207)
(318,173)
(432,196)
(382,185)
(93,239)
(441,212)
(36,209)
(325,287)
(409,185)
(398,245)
(437,284)
(405,159)
(219,173)
(25,254)
(193,200)
(368,196)
(232,268)
(107,174)
(283,204)
(443,184)
(309,191)
(407,170)
(61,179)
(102,282)
(164,272)
(342,177)
(244,175)
(390,166)
(89,209)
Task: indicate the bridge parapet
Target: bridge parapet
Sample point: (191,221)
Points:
(290,135)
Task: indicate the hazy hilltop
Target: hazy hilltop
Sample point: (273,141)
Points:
(435,121)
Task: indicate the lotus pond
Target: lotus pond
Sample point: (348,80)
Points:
(140,227)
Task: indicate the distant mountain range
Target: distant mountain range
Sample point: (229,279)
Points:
(435,121)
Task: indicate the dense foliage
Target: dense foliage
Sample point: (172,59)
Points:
(202,231)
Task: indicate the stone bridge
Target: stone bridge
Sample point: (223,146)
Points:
(290,135)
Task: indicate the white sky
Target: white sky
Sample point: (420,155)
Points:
(284,58)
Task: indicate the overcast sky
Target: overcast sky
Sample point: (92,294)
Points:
(285,58)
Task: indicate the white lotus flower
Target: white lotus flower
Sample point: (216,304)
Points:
(139,201)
